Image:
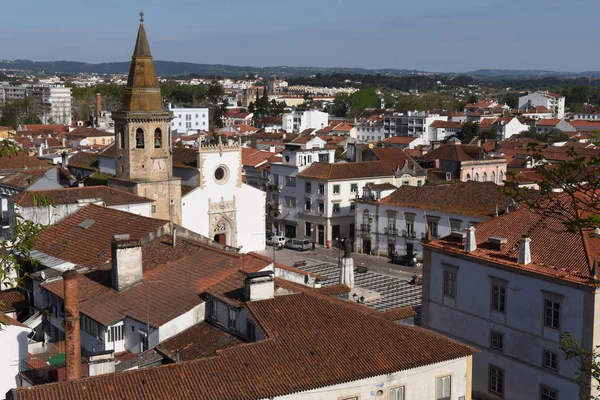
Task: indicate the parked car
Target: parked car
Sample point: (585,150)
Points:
(299,244)
(277,241)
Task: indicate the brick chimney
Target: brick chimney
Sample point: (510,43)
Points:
(73,341)
(470,242)
(524,250)
(126,262)
(98,104)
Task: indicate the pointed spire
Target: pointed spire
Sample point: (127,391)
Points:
(142,49)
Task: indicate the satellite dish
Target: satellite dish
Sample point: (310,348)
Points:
(43,275)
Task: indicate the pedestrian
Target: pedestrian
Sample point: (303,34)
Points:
(313,246)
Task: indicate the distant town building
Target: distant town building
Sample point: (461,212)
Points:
(552,101)
(187,119)
(51,102)
(298,121)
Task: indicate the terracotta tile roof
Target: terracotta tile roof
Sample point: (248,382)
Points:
(110,196)
(83,132)
(344,127)
(333,289)
(548,122)
(11,300)
(245,128)
(397,314)
(464,198)
(581,122)
(64,239)
(253,157)
(21,160)
(55,128)
(327,351)
(6,320)
(395,157)
(185,158)
(270,121)
(23,179)
(446,124)
(110,151)
(352,170)
(546,233)
(383,186)
(84,160)
(200,341)
(454,152)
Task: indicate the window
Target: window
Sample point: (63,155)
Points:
(476,177)
(552,314)
(548,394)
(455,225)
(103,141)
(496,380)
(336,207)
(307,187)
(115,333)
(336,189)
(153,208)
(290,181)
(275,179)
(290,201)
(443,388)
(496,340)
(321,188)
(250,331)
(450,282)
(157,138)
(550,360)
(433,228)
(498,298)
(397,393)
(122,137)
(500,177)
(352,206)
(353,187)
(143,341)
(307,229)
(484,177)
(139,138)
(321,207)
(307,204)
(212,309)
(231,322)
(493,177)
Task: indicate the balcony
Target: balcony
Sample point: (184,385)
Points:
(409,234)
(391,231)
(274,188)
(274,207)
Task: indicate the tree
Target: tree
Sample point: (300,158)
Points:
(468,132)
(554,135)
(491,134)
(363,99)
(588,365)
(15,112)
(341,105)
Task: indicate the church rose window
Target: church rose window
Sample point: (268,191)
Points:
(157,138)
(139,138)
(221,174)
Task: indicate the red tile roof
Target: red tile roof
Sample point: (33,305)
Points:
(455,152)
(446,124)
(353,170)
(11,300)
(464,198)
(109,196)
(23,179)
(327,351)
(21,160)
(395,157)
(546,233)
(397,314)
(185,158)
(83,132)
(548,122)
(405,140)
(84,160)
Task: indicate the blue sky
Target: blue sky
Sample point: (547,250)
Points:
(431,35)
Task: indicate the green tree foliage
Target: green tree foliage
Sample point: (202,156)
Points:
(18,111)
(491,134)
(363,99)
(552,136)
(262,107)
(587,362)
(341,105)
(469,131)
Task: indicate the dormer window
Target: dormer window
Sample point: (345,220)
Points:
(139,138)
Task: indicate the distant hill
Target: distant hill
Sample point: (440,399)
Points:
(171,68)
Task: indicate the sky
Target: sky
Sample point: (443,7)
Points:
(428,35)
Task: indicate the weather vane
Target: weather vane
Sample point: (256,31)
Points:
(141,16)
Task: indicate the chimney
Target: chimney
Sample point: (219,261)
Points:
(73,342)
(347,265)
(524,250)
(40,150)
(174,236)
(98,104)
(64,142)
(101,363)
(259,286)
(126,262)
(65,159)
(470,242)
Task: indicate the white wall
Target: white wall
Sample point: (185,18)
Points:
(106,165)
(420,383)
(13,349)
(189,118)
(470,319)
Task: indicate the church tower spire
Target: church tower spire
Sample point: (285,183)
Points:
(144,164)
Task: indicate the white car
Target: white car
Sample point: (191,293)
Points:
(277,241)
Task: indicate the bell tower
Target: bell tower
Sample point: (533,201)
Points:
(144,163)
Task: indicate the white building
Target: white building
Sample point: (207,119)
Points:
(14,339)
(188,119)
(411,124)
(284,192)
(397,221)
(505,127)
(299,121)
(552,101)
(510,287)
(546,125)
(51,102)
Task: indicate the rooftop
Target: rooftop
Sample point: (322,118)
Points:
(109,196)
(354,170)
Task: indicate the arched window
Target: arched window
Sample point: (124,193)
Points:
(500,177)
(122,138)
(139,138)
(366,221)
(476,177)
(493,177)
(468,177)
(157,138)
(484,177)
